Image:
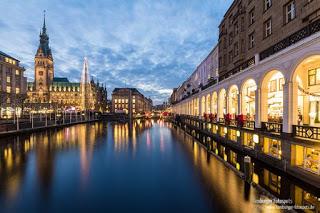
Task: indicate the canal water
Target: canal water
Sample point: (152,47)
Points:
(147,166)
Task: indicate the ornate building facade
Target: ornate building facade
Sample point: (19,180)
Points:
(12,86)
(58,93)
(268,92)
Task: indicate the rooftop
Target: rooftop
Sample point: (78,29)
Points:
(61,80)
(6,55)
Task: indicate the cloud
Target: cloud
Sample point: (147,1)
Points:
(148,44)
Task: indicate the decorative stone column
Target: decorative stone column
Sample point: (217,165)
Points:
(258,107)
(200,106)
(290,103)
(239,104)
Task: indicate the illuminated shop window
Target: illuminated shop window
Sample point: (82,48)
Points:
(233,135)
(272,147)
(248,140)
(272,181)
(306,158)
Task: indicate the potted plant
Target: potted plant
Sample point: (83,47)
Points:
(227,119)
(205,116)
(211,117)
(240,120)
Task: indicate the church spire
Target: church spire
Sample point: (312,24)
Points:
(44,29)
(44,49)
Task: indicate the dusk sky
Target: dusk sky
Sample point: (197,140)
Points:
(153,45)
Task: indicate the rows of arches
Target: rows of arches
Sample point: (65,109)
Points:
(279,96)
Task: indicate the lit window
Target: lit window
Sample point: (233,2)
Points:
(8,89)
(17,72)
(290,10)
(273,86)
(115,100)
(314,77)
(281,83)
(267,28)
(126,100)
(17,90)
(267,4)
(8,79)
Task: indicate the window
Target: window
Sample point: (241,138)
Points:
(236,28)
(267,28)
(272,147)
(242,46)
(273,86)
(230,56)
(41,73)
(236,49)
(281,83)
(17,90)
(8,89)
(290,11)
(17,72)
(251,17)
(116,101)
(267,4)
(251,40)
(230,38)
(8,79)
(314,77)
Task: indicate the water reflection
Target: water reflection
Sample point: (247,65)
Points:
(225,186)
(143,162)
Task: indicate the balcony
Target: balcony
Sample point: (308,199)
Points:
(292,39)
(308,132)
(271,127)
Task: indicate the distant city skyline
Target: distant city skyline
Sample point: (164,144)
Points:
(150,45)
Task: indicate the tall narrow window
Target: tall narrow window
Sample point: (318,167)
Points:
(267,28)
(251,40)
(236,49)
(267,4)
(251,17)
(290,11)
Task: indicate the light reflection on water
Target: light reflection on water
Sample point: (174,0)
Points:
(143,166)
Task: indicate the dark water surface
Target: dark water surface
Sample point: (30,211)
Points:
(146,167)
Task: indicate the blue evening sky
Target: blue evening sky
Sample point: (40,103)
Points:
(153,45)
